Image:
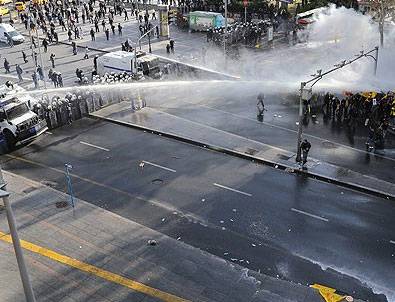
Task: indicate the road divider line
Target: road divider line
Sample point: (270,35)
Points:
(392,241)
(159,166)
(49,132)
(309,214)
(96,271)
(94,146)
(231,189)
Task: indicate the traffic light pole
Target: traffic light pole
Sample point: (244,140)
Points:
(318,77)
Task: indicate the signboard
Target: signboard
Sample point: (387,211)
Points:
(270,34)
(245,3)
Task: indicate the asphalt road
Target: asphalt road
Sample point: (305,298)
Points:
(231,107)
(283,225)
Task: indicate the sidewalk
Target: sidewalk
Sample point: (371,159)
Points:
(179,128)
(90,254)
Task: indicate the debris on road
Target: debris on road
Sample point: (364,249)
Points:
(152,242)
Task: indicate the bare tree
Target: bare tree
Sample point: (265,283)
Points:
(383,11)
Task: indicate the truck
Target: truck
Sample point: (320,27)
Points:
(203,21)
(308,17)
(129,62)
(18,124)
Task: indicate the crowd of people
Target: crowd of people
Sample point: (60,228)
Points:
(238,33)
(59,111)
(370,109)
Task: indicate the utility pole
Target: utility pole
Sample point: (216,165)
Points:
(245,14)
(30,32)
(226,25)
(245,4)
(27,286)
(41,57)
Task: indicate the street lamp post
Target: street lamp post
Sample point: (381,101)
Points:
(27,286)
(318,77)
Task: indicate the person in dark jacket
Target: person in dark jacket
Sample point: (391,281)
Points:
(305,148)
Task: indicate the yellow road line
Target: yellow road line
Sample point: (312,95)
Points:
(106,275)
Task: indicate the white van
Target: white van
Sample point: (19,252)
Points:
(9,30)
(122,61)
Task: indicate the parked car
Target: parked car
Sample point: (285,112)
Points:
(7,30)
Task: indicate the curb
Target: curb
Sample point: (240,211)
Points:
(276,165)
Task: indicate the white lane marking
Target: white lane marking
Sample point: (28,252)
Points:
(49,132)
(159,166)
(310,215)
(392,241)
(94,146)
(231,189)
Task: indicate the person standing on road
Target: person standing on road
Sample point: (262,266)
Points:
(125,13)
(260,105)
(54,78)
(103,24)
(40,72)
(113,29)
(35,80)
(24,56)
(76,33)
(45,44)
(172,45)
(19,72)
(95,62)
(97,26)
(168,49)
(74,45)
(92,34)
(119,29)
(6,66)
(70,34)
(107,32)
(86,56)
(52,59)
(56,37)
(59,79)
(305,148)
